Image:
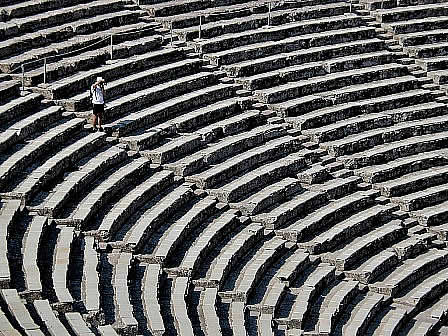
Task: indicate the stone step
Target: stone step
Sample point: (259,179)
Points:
(402,166)
(277,33)
(348,229)
(414,182)
(432,215)
(363,314)
(391,151)
(152,219)
(19,160)
(263,49)
(179,231)
(277,216)
(126,206)
(411,12)
(327,215)
(279,19)
(101,194)
(320,83)
(191,92)
(398,132)
(365,246)
(244,161)
(412,271)
(344,52)
(75,183)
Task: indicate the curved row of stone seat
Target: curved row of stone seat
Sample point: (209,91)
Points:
(88,59)
(21,8)
(431,288)
(345,56)
(421,31)
(124,319)
(352,226)
(179,306)
(191,92)
(90,293)
(86,173)
(6,327)
(77,324)
(375,266)
(401,102)
(48,319)
(363,314)
(152,72)
(334,304)
(18,131)
(20,156)
(231,253)
(253,158)
(8,89)
(182,14)
(254,269)
(52,40)
(17,49)
(33,14)
(213,153)
(195,128)
(67,89)
(60,271)
(308,292)
(9,211)
(132,201)
(367,245)
(33,239)
(18,106)
(244,286)
(113,182)
(18,314)
(277,288)
(58,163)
(417,188)
(179,231)
(409,272)
(280,15)
(208,315)
(317,35)
(150,290)
(210,237)
(326,215)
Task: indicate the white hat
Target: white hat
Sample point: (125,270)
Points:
(100,79)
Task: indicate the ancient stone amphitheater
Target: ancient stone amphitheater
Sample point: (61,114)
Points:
(267,168)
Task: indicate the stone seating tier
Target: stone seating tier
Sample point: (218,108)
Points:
(9,211)
(53,325)
(150,298)
(32,240)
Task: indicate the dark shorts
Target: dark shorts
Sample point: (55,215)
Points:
(98,109)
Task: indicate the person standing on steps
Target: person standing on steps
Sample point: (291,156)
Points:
(97,97)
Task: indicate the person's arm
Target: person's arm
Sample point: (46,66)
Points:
(103,91)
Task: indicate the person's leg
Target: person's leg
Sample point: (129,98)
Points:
(96,111)
(94,120)
(100,117)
